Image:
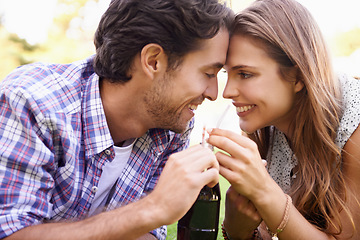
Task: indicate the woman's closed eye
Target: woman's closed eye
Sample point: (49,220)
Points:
(245,75)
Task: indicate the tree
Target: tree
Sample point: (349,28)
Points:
(70,37)
(346,43)
(15,51)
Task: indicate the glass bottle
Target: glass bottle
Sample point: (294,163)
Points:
(202,220)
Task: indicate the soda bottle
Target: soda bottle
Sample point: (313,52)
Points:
(202,220)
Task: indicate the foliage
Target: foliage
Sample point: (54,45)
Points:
(66,41)
(15,51)
(346,43)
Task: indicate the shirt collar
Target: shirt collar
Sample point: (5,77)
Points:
(96,130)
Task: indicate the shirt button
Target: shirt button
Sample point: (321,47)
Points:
(94,189)
(107,152)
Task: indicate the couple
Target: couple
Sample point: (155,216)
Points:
(98,149)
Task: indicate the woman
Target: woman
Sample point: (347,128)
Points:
(300,117)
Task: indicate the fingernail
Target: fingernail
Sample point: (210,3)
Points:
(209,130)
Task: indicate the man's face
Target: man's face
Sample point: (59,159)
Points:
(172,99)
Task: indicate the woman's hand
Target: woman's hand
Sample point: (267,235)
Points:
(242,166)
(241,216)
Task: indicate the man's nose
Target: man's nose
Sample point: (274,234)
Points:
(211,91)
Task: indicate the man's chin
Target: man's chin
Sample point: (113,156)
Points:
(180,127)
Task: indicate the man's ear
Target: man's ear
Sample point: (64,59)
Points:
(153,59)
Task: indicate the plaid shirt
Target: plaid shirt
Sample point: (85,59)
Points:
(54,141)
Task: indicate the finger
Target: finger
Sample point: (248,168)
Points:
(227,161)
(189,151)
(264,162)
(210,177)
(229,175)
(228,145)
(236,150)
(233,143)
(196,158)
(233,148)
(208,161)
(204,160)
(242,140)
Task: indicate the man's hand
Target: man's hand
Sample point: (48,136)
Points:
(183,177)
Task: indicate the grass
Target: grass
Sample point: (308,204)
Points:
(224,185)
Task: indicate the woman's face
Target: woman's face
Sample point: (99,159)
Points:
(262,97)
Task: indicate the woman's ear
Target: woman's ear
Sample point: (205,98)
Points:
(152,59)
(299,83)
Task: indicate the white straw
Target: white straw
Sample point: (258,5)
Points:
(203,142)
(222,116)
(203,136)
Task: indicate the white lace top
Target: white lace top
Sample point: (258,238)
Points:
(282,158)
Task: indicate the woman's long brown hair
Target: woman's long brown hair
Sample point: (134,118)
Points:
(292,38)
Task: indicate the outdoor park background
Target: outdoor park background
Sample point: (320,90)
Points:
(62,31)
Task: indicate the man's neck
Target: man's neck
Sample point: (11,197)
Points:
(123,109)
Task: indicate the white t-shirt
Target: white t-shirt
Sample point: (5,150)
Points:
(110,173)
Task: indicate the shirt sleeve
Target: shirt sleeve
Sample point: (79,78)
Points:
(160,233)
(25,162)
(178,143)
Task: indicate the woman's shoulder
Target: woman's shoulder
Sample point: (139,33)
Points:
(349,83)
(350,118)
(351,160)
(350,121)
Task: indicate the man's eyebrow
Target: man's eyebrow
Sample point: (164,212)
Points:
(217,65)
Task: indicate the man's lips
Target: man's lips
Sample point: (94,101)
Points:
(193,107)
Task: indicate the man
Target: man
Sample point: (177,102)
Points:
(83,144)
